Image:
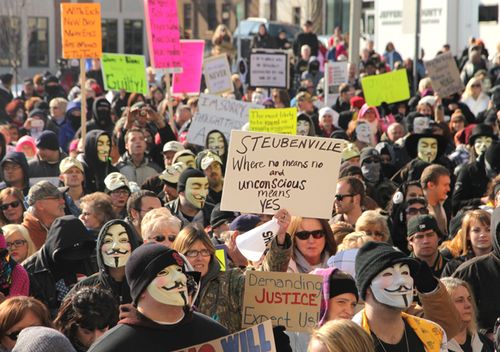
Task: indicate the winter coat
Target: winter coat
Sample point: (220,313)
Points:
(471,185)
(175,209)
(138,174)
(42,168)
(69,128)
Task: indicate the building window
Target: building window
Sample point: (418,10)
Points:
(296,16)
(109,35)
(133,38)
(488,13)
(38,41)
(211,15)
(10,41)
(187,17)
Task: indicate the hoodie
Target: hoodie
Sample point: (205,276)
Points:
(313,72)
(70,126)
(20,159)
(95,169)
(63,258)
(120,290)
(101,116)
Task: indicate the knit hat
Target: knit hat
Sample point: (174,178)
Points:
(69,162)
(218,217)
(357,102)
(186,174)
(42,339)
(423,223)
(42,190)
(47,140)
(171,174)
(173,146)
(372,258)
(244,223)
(341,283)
(145,263)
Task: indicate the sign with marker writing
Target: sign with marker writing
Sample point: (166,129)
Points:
(253,243)
(444,74)
(216,113)
(335,74)
(162,26)
(269,69)
(388,87)
(81,30)
(218,75)
(274,120)
(257,338)
(124,72)
(287,299)
(188,82)
(267,172)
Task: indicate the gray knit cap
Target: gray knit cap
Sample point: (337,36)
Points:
(42,339)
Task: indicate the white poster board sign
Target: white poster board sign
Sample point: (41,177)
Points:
(335,74)
(266,172)
(216,113)
(218,75)
(444,74)
(269,69)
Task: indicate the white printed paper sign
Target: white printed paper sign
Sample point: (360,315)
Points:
(269,70)
(266,172)
(218,75)
(216,113)
(335,74)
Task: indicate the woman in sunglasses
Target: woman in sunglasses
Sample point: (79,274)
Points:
(160,226)
(17,313)
(19,242)
(11,206)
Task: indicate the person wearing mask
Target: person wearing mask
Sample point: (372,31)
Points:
(313,72)
(53,89)
(73,119)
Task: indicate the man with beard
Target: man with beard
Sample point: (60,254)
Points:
(191,206)
(385,282)
(161,286)
(211,165)
(348,200)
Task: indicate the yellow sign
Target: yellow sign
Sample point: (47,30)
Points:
(220,254)
(282,121)
(81,30)
(388,87)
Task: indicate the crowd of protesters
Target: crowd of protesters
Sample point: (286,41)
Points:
(108,242)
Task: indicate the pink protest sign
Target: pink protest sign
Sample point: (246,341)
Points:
(188,82)
(162,25)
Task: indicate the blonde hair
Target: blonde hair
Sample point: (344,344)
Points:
(11,229)
(373,217)
(342,336)
(354,240)
(158,219)
(424,84)
(451,284)
(468,88)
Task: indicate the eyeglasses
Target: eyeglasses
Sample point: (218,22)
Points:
(13,335)
(341,197)
(304,235)
(371,161)
(415,211)
(161,238)
(194,253)
(121,192)
(13,204)
(16,243)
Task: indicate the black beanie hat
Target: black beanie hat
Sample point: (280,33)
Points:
(341,283)
(47,140)
(188,173)
(372,258)
(145,263)
(492,155)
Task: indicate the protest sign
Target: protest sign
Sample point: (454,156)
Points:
(444,75)
(216,113)
(124,72)
(269,69)
(253,243)
(335,74)
(266,172)
(388,87)
(81,30)
(162,26)
(274,120)
(258,338)
(218,75)
(221,256)
(188,82)
(287,299)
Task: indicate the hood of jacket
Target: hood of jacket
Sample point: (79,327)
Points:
(90,149)
(18,158)
(325,299)
(364,109)
(313,65)
(101,112)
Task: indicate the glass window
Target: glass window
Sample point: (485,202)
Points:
(133,43)
(10,41)
(488,13)
(109,35)
(187,17)
(211,15)
(38,42)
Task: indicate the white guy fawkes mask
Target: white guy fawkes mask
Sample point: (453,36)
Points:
(481,144)
(103,147)
(420,124)
(196,191)
(116,248)
(363,133)
(394,286)
(215,143)
(170,286)
(427,149)
(303,128)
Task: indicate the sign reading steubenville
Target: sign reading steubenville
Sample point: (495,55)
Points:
(287,299)
(266,172)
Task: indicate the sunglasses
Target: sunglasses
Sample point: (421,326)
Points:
(161,238)
(13,204)
(304,235)
(13,335)
(341,197)
(415,211)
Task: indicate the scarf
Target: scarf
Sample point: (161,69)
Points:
(303,265)
(7,264)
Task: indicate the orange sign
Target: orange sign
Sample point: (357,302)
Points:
(81,30)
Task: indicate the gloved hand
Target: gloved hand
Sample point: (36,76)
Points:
(424,280)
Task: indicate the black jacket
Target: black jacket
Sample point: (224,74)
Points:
(303,38)
(42,168)
(470,186)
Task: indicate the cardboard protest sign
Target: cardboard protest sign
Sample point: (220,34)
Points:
(444,74)
(335,74)
(124,72)
(269,69)
(253,243)
(257,338)
(388,87)
(216,113)
(266,172)
(274,120)
(288,299)
(162,26)
(218,75)
(81,30)
(188,82)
